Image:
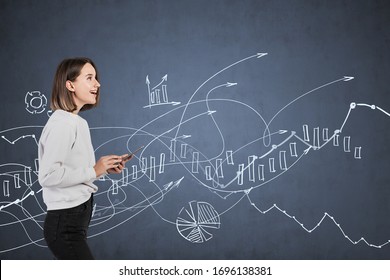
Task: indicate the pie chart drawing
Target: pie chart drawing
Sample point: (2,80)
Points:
(196,221)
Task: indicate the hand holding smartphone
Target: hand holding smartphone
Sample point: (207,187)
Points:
(131,154)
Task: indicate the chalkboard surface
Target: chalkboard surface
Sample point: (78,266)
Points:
(266,126)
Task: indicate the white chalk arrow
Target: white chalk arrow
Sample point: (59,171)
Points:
(163,79)
(347,78)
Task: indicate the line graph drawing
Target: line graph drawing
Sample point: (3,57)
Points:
(19,138)
(232,172)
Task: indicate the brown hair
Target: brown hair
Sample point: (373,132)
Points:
(61,97)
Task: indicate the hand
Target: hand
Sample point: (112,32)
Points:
(120,164)
(106,163)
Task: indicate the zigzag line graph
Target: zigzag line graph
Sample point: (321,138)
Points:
(326,216)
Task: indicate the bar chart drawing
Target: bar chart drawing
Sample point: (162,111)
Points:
(158,94)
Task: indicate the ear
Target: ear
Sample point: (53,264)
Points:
(69,85)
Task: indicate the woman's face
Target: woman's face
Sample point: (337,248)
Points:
(85,86)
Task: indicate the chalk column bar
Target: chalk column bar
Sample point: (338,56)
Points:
(347,144)
(240,174)
(282,160)
(293,149)
(152,169)
(162,163)
(251,168)
(135,172)
(325,134)
(164,93)
(271,163)
(183,150)
(157,95)
(172,156)
(195,162)
(229,157)
(115,187)
(36,162)
(358,153)
(336,140)
(6,188)
(306,137)
(151,98)
(27,176)
(144,164)
(208,173)
(17,181)
(218,168)
(316,137)
(260,169)
(125,176)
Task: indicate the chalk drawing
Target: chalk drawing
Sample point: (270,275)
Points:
(230,174)
(36,102)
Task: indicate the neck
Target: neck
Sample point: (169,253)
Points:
(76,112)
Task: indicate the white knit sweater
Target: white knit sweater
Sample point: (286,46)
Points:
(66,160)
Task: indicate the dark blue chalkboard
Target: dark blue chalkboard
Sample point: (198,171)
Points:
(265,125)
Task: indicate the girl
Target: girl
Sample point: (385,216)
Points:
(67,165)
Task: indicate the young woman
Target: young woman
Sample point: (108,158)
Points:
(67,166)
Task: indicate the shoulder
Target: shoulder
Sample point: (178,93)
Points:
(60,117)
(60,122)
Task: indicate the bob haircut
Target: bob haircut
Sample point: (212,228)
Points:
(61,97)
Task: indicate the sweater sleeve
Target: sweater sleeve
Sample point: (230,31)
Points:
(55,145)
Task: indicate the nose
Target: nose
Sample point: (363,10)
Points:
(97,84)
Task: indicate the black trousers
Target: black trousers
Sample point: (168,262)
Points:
(65,232)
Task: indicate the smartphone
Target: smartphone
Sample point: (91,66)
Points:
(127,157)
